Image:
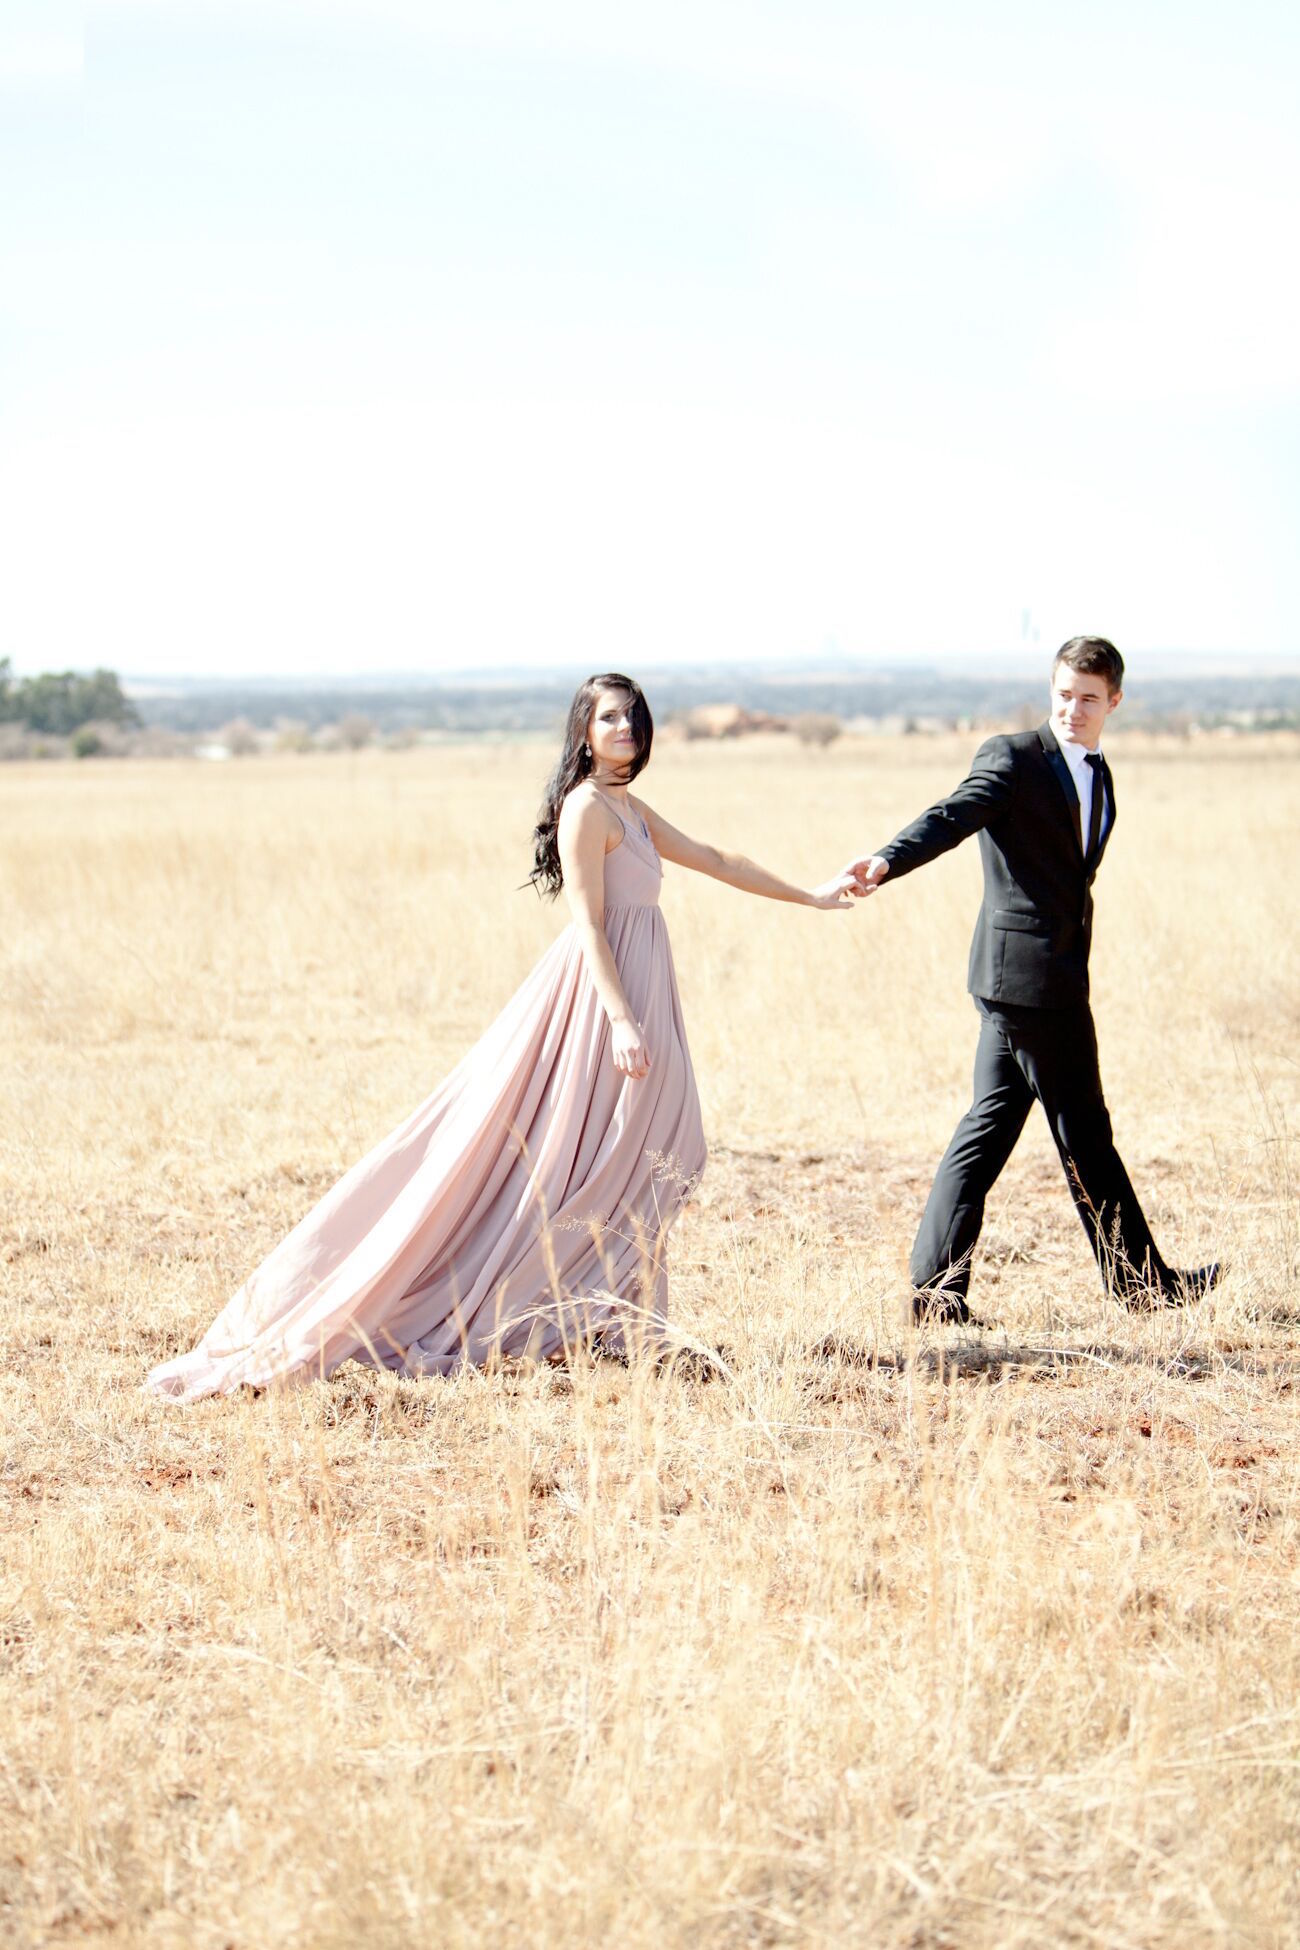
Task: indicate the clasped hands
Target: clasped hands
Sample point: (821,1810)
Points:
(852,883)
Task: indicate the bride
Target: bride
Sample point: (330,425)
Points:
(523,1208)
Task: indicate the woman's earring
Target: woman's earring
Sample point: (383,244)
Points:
(586,751)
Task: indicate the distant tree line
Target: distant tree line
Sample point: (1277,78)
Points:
(61,702)
(89,714)
(923,696)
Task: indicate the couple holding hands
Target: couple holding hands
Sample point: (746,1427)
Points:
(522,1210)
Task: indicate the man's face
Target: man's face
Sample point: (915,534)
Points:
(1081,704)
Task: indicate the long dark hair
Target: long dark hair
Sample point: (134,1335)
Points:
(575,764)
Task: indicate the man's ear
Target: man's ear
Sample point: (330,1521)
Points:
(1115,697)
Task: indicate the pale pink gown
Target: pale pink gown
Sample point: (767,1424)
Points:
(520,1210)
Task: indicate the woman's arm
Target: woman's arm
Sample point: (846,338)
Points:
(586,827)
(737,871)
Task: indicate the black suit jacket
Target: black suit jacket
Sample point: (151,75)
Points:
(1035,926)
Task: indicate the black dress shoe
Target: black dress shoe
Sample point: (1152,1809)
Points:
(1179,1287)
(1191,1282)
(932,1307)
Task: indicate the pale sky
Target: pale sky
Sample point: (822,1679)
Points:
(403,336)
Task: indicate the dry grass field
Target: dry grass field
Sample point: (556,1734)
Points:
(962,1640)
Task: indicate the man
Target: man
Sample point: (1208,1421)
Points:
(1043,804)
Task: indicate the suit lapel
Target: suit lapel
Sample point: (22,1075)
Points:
(1109,785)
(1056,759)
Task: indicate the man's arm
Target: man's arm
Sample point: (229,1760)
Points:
(986,792)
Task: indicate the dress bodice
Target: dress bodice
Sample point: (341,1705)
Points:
(632,871)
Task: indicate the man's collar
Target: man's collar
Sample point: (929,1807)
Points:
(1075,756)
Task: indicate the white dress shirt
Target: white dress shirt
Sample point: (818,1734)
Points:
(1076,757)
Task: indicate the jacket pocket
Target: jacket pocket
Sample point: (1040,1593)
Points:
(1008,917)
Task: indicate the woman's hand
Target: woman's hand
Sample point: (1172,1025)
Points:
(631,1056)
(838,893)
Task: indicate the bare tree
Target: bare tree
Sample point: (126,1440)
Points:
(239,738)
(816,728)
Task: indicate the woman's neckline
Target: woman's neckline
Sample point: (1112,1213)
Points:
(623,807)
(605,793)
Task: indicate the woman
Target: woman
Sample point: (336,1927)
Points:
(522,1209)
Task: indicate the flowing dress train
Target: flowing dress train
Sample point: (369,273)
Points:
(521,1208)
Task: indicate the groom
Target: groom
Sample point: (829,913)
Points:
(1043,804)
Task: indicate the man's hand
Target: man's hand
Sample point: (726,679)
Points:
(867,875)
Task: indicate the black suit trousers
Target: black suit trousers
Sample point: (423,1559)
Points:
(1049,1055)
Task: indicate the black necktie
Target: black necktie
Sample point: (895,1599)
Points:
(1094,817)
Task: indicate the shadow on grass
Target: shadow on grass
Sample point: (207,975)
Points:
(991,1360)
(1276,1316)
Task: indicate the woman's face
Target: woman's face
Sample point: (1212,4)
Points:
(609,732)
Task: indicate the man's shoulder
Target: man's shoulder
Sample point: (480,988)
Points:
(1009,747)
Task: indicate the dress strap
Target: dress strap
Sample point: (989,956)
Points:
(617,810)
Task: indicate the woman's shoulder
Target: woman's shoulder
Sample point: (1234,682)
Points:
(587,803)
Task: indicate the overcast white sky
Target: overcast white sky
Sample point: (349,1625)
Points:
(415,336)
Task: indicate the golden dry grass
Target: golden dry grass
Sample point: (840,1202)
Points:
(973,1642)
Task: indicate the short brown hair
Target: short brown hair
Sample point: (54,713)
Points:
(1093,656)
